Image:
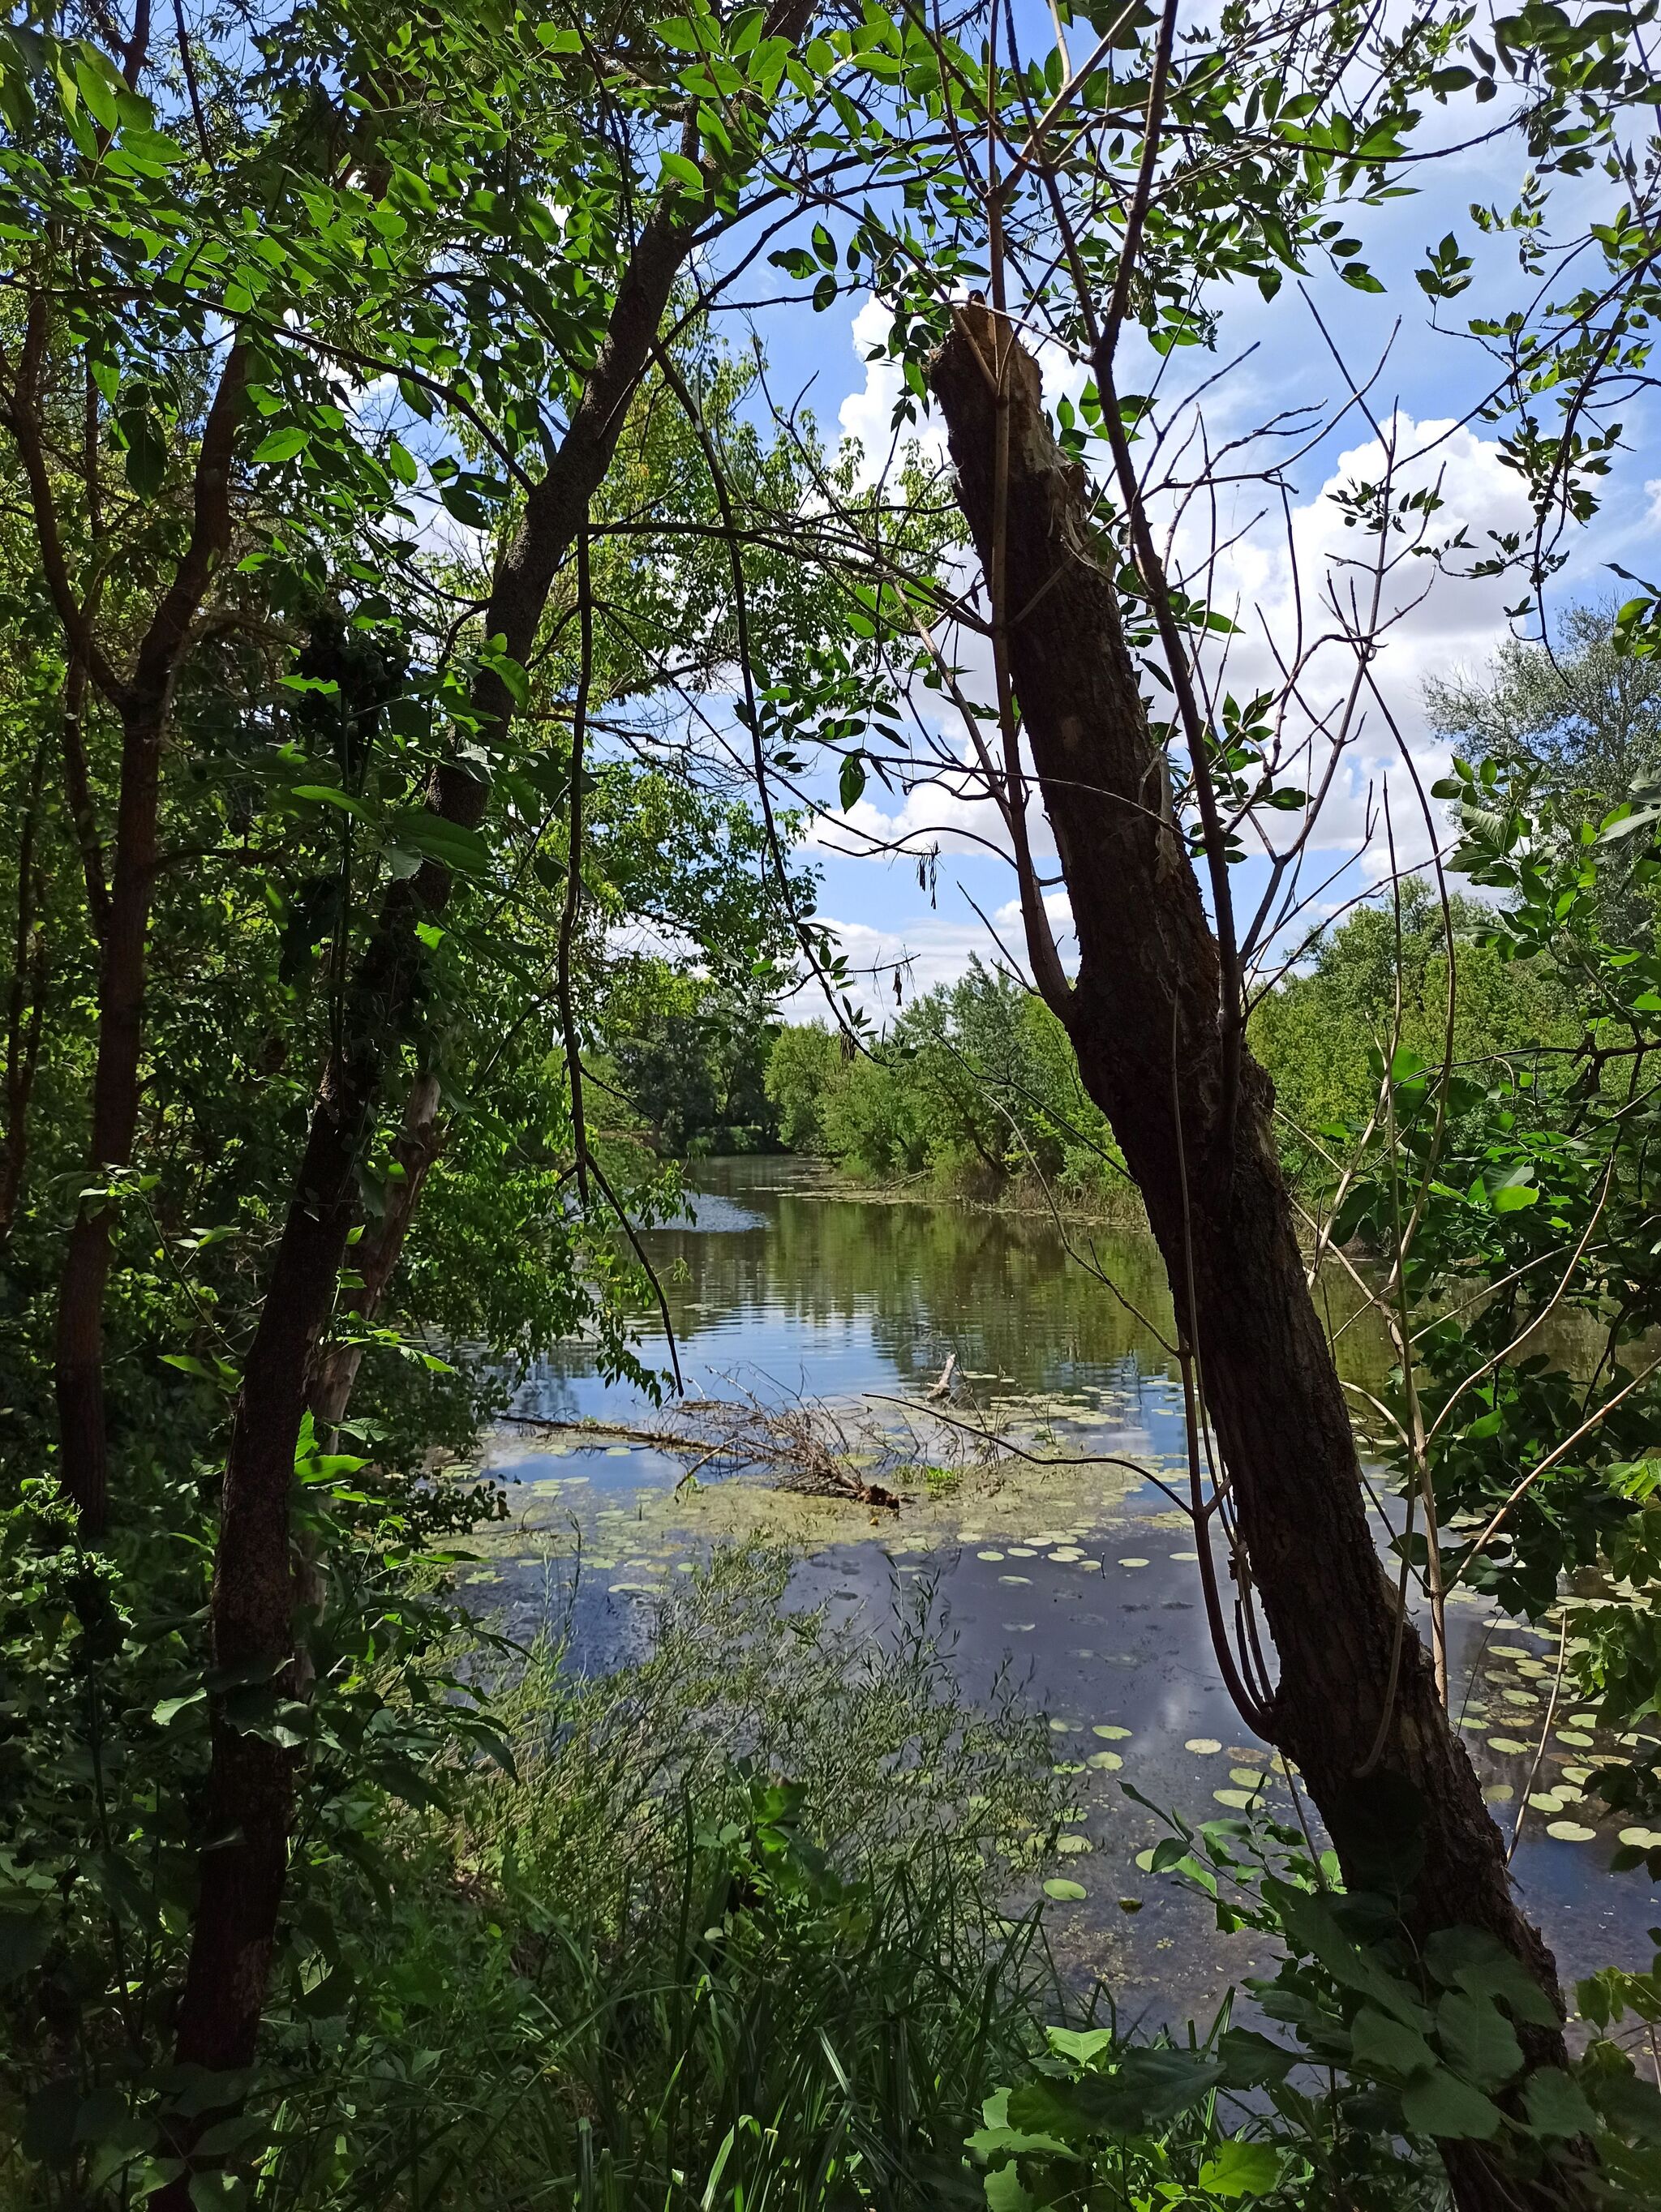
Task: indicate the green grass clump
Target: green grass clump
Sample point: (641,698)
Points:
(728,1935)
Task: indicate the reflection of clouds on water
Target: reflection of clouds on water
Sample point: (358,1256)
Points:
(1080,1579)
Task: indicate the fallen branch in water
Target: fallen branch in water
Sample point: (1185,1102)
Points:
(745,1436)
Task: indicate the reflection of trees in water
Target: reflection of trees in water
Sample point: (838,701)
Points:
(1001,1290)
(548,1394)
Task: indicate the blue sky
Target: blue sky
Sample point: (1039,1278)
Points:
(1429,380)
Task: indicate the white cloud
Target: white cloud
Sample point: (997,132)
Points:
(1295,584)
(1296,593)
(868,415)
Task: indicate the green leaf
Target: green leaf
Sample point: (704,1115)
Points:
(98,86)
(331,794)
(1005,2191)
(1310,1924)
(1557,2105)
(1631,2104)
(168,1709)
(1388,2045)
(1478,2039)
(678,170)
(1440,2104)
(1512,1198)
(1236,2168)
(1471,1959)
(1149,2088)
(851,782)
(147,453)
(1083,2046)
(1251,2060)
(448,842)
(281,445)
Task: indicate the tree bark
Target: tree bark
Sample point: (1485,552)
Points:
(1144,1020)
(378,1251)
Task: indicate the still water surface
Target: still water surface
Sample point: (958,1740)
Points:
(787,1286)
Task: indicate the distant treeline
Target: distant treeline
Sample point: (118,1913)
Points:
(975,1087)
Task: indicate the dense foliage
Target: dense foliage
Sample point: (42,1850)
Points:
(973,1087)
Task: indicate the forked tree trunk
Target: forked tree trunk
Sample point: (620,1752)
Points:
(334,1372)
(254,1593)
(1143,1018)
(378,1251)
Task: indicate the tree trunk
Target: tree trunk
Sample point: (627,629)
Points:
(236,1916)
(251,1784)
(335,1371)
(378,1252)
(26,1000)
(79,1365)
(1144,1020)
(143,704)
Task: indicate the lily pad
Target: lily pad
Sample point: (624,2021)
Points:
(1064,1891)
(1205,1745)
(1110,1732)
(1577,1739)
(989,1555)
(1508,1745)
(1498,1793)
(1133,1563)
(1236,1800)
(1571,1832)
(1106,1762)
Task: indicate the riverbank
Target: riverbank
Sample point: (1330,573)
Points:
(1117,1205)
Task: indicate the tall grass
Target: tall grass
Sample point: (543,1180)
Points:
(728,1936)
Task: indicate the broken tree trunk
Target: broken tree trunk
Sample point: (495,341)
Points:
(1143,1015)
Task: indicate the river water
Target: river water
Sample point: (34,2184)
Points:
(788,1288)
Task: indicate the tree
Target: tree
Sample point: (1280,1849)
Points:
(1380,981)
(1088,198)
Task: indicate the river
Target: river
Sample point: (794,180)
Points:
(788,1287)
